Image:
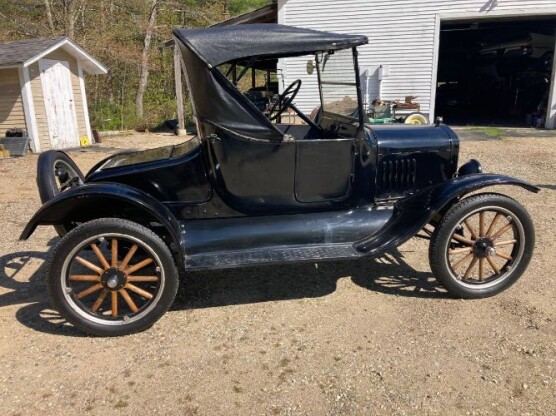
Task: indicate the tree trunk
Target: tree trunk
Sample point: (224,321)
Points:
(69,18)
(144,71)
(48,11)
(72,10)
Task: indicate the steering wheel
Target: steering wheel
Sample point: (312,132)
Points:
(284,100)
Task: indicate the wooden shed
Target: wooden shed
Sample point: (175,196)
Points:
(42,91)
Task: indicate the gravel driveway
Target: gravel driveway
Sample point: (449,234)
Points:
(355,338)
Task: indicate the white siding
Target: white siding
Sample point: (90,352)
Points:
(402,34)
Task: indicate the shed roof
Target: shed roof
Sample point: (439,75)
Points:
(27,51)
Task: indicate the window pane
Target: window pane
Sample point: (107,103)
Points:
(339,88)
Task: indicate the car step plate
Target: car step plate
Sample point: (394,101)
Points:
(272,255)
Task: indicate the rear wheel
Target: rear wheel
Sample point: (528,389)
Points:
(112,277)
(56,173)
(482,246)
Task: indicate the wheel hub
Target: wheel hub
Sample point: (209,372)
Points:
(484,247)
(113,279)
(61,174)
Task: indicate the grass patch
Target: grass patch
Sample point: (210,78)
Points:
(494,132)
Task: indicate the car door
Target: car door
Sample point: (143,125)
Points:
(253,177)
(273,178)
(324,169)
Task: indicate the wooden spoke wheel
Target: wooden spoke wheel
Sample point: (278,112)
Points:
(485,245)
(109,288)
(112,277)
(482,245)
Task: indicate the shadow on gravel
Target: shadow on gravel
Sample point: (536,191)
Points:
(14,275)
(389,274)
(23,272)
(551,187)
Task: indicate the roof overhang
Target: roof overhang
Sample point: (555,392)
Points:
(10,66)
(88,63)
(266,14)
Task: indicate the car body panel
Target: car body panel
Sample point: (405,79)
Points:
(170,174)
(324,170)
(411,158)
(244,233)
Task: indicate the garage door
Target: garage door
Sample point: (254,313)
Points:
(496,72)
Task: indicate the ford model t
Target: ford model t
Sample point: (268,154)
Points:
(247,191)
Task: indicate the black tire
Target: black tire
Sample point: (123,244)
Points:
(134,311)
(53,169)
(479,248)
(47,179)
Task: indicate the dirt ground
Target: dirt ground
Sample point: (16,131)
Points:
(355,338)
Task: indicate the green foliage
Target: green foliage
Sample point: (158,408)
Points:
(113,31)
(107,116)
(236,7)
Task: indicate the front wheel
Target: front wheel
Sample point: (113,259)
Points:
(482,246)
(111,277)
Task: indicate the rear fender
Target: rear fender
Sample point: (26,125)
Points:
(92,201)
(411,214)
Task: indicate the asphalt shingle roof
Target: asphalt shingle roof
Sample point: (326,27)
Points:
(20,51)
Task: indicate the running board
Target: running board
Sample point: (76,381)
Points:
(246,234)
(271,255)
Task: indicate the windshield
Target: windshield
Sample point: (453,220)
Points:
(338,83)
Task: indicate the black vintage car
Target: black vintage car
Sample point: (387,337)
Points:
(247,191)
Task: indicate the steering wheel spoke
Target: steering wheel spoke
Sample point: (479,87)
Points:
(284,100)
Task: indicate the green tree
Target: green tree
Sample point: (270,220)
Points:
(115,32)
(236,7)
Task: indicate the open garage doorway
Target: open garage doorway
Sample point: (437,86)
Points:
(496,72)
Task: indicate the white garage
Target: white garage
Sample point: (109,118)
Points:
(404,54)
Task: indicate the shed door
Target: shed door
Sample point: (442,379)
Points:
(59,103)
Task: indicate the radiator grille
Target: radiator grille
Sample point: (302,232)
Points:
(398,175)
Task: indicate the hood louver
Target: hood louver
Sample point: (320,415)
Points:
(397,176)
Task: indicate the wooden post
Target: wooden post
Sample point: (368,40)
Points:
(179,92)
(551,107)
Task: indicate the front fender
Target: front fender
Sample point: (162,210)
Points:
(91,201)
(411,214)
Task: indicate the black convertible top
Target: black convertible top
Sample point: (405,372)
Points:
(219,107)
(217,45)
